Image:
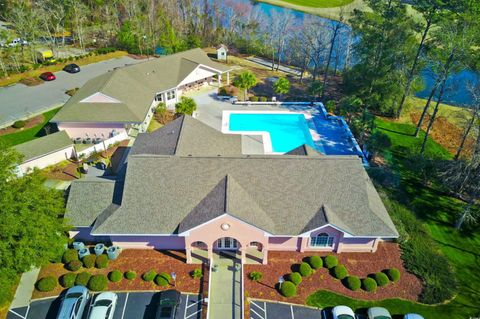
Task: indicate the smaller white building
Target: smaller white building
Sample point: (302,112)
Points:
(44,151)
(222,52)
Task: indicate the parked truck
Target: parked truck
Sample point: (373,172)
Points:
(45,56)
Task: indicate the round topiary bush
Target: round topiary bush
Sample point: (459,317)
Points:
(130,275)
(74,265)
(167,276)
(161,281)
(115,276)
(69,255)
(19,124)
(255,276)
(89,261)
(46,284)
(393,274)
(381,279)
(288,289)
(98,283)
(340,272)
(316,262)
(296,278)
(369,284)
(149,275)
(305,269)
(82,278)
(353,283)
(330,261)
(197,273)
(68,280)
(101,262)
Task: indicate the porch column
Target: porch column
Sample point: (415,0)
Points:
(210,253)
(243,252)
(228,78)
(219,77)
(339,244)
(188,251)
(303,244)
(265,255)
(375,245)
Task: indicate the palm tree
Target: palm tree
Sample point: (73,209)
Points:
(282,86)
(245,81)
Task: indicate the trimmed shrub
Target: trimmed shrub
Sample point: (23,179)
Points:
(381,279)
(46,284)
(253,99)
(82,279)
(98,283)
(393,274)
(115,276)
(74,265)
(340,272)
(288,289)
(315,261)
(263,99)
(330,261)
(69,255)
(161,281)
(19,124)
(130,275)
(149,275)
(296,278)
(197,273)
(255,276)
(305,269)
(368,284)
(101,262)
(222,91)
(89,261)
(353,283)
(167,276)
(68,280)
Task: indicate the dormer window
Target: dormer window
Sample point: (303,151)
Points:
(322,240)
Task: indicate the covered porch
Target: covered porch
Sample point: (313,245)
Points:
(252,254)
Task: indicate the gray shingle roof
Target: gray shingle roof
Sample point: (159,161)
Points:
(87,198)
(44,145)
(134,86)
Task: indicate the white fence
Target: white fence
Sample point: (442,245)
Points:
(96,148)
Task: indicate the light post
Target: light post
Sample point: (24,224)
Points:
(174,277)
(281,280)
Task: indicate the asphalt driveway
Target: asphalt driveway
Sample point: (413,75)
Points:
(133,305)
(263,310)
(20,101)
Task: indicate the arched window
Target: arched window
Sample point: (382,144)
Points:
(322,240)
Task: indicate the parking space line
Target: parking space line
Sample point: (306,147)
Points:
(265,309)
(125,305)
(256,314)
(186,303)
(291,310)
(16,314)
(90,306)
(193,314)
(193,304)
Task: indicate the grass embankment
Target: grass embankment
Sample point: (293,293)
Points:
(28,134)
(15,78)
(435,210)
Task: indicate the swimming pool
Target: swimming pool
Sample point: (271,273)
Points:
(281,131)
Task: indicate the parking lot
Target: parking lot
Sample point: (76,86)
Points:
(133,305)
(264,310)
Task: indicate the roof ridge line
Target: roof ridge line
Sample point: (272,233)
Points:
(179,136)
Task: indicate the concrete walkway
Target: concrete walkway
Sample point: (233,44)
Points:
(25,289)
(226,299)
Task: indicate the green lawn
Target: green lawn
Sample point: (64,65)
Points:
(28,134)
(438,212)
(319,3)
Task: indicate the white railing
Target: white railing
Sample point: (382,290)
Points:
(242,297)
(209,286)
(100,147)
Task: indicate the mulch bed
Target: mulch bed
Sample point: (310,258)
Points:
(445,133)
(32,81)
(359,264)
(139,260)
(34,121)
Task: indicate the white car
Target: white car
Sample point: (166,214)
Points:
(16,42)
(412,316)
(378,313)
(104,306)
(343,312)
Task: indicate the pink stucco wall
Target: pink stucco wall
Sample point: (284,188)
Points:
(284,243)
(92,130)
(145,242)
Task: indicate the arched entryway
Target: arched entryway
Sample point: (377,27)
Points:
(199,252)
(255,253)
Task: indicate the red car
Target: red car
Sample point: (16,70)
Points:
(47,76)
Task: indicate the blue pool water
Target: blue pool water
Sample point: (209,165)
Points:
(287,131)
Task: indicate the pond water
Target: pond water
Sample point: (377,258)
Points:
(457,92)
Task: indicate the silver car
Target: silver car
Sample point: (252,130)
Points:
(73,304)
(104,306)
(378,313)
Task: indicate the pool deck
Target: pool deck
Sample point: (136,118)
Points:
(335,139)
